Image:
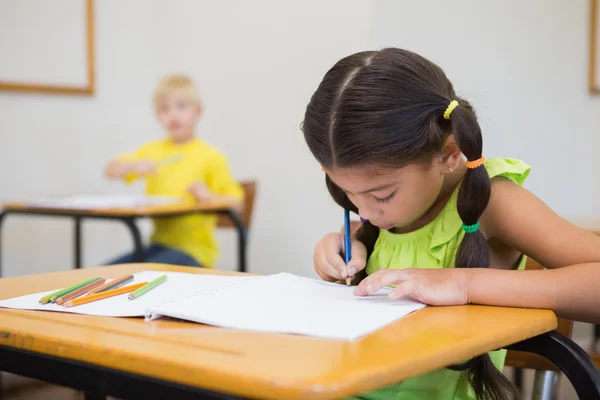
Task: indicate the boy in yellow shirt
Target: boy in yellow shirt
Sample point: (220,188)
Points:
(180,165)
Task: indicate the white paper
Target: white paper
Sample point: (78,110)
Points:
(281,303)
(178,286)
(285,303)
(104,201)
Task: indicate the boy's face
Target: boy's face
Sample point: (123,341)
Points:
(178,115)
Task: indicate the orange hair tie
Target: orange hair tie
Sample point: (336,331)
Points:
(476,163)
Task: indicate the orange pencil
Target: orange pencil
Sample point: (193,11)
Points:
(103,295)
(80,291)
(112,284)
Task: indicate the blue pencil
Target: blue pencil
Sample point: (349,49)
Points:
(347,243)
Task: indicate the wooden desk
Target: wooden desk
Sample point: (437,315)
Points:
(129,216)
(126,357)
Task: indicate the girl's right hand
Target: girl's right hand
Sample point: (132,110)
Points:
(328,260)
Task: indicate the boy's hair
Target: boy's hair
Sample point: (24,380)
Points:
(176,83)
(387,108)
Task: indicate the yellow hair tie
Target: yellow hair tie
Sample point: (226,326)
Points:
(476,163)
(453,104)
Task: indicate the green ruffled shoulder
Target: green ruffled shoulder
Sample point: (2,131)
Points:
(435,245)
(509,168)
(448,226)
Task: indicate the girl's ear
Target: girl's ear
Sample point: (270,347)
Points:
(450,155)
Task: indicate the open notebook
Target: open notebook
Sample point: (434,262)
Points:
(280,303)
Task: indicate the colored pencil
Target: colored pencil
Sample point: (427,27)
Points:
(169,160)
(115,283)
(148,287)
(53,296)
(81,291)
(103,295)
(347,244)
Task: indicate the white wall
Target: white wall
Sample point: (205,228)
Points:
(522,64)
(256,64)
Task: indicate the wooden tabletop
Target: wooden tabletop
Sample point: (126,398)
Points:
(143,211)
(260,365)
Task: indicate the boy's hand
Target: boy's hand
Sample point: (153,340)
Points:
(201,192)
(330,265)
(442,287)
(144,167)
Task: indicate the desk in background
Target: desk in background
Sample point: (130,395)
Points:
(165,358)
(129,216)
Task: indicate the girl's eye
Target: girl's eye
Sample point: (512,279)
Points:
(385,200)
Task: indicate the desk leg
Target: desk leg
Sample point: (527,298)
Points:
(242,239)
(596,339)
(518,379)
(570,358)
(2,215)
(77,243)
(138,246)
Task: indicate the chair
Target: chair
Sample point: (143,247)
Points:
(249,188)
(545,384)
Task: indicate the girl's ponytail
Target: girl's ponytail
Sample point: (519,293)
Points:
(473,197)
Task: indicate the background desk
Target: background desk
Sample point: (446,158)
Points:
(129,216)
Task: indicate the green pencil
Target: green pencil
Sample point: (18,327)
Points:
(147,287)
(169,160)
(53,296)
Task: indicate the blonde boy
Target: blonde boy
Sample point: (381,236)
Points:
(180,165)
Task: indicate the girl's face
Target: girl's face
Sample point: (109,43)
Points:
(391,197)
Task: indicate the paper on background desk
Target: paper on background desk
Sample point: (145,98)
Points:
(103,201)
(280,303)
(176,286)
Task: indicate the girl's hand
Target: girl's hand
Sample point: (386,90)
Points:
(329,263)
(446,286)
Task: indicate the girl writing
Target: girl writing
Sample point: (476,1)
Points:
(390,134)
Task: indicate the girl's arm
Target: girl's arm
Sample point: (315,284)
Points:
(573,292)
(520,220)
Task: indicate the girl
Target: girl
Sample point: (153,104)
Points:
(390,133)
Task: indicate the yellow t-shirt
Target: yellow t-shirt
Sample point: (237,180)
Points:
(183,165)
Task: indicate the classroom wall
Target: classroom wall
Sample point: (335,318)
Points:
(256,64)
(522,64)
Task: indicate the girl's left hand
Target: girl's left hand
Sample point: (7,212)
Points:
(446,286)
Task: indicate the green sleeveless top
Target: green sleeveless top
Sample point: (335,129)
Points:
(435,246)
